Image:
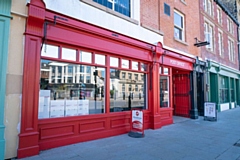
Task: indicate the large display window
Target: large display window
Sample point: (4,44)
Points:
(128,85)
(223,90)
(73,83)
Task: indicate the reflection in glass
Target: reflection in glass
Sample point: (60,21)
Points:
(127,94)
(125,63)
(143,67)
(134,65)
(69,54)
(86,57)
(99,59)
(165,71)
(113,62)
(50,51)
(164,91)
(70,90)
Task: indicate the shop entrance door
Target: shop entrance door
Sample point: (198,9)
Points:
(181,94)
(200,93)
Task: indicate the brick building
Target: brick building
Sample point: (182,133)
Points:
(219,27)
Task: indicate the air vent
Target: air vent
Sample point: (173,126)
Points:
(167,9)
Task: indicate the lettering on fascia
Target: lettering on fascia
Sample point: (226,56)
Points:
(177,63)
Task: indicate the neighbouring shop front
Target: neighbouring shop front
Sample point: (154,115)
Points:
(223,86)
(5,17)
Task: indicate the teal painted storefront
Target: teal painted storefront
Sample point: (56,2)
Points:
(224,83)
(5,7)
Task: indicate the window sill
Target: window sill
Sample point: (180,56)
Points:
(180,41)
(210,51)
(153,30)
(103,8)
(183,1)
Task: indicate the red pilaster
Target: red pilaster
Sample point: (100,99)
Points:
(155,108)
(28,137)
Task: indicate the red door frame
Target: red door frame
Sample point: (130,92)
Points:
(35,134)
(181,93)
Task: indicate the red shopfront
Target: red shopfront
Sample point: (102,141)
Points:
(81,81)
(172,84)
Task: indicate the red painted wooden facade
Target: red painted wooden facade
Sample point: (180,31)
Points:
(40,134)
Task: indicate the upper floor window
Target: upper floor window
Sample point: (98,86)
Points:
(219,16)
(208,7)
(230,26)
(178,26)
(220,43)
(208,31)
(120,6)
(231,50)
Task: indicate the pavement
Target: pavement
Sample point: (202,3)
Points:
(186,139)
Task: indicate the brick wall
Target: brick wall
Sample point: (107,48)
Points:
(206,54)
(152,15)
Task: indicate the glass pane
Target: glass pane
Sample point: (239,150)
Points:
(143,67)
(164,91)
(86,57)
(70,90)
(99,59)
(178,20)
(123,7)
(113,62)
(125,63)
(160,70)
(134,65)
(69,54)
(126,94)
(177,33)
(50,51)
(165,70)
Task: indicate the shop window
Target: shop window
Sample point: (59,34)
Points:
(164,87)
(178,26)
(113,62)
(143,67)
(86,57)
(50,51)
(223,90)
(69,54)
(64,90)
(120,6)
(125,63)
(100,59)
(78,88)
(134,65)
(132,97)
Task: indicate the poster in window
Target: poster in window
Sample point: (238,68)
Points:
(44,101)
(57,108)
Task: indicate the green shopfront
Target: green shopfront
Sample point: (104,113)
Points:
(224,86)
(4,36)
